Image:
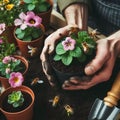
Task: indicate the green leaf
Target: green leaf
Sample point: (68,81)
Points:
(42,8)
(77,52)
(31,7)
(66,59)
(28,1)
(20,35)
(57,57)
(18,31)
(59,49)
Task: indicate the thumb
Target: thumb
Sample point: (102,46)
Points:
(102,55)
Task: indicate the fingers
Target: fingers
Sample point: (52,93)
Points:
(102,55)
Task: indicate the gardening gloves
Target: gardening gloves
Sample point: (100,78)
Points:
(48,48)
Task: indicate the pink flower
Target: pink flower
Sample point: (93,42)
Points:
(13,59)
(21,22)
(1,41)
(32,19)
(2,27)
(7,70)
(16,79)
(68,44)
(6,59)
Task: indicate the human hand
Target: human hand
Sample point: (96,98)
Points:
(48,48)
(101,66)
(77,14)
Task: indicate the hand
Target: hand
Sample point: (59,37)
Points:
(77,14)
(101,66)
(48,48)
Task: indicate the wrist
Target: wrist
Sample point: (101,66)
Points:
(77,14)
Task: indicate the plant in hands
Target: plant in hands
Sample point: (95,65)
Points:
(28,26)
(37,6)
(78,45)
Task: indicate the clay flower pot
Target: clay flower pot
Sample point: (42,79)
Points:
(9,34)
(30,49)
(4,81)
(26,110)
(46,16)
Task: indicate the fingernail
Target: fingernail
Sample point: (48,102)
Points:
(89,70)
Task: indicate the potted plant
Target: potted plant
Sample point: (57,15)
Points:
(9,65)
(9,10)
(29,33)
(71,55)
(43,8)
(17,101)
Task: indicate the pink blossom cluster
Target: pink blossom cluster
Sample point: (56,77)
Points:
(28,19)
(8,59)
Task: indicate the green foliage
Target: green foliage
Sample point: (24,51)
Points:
(13,66)
(16,98)
(9,10)
(28,34)
(37,6)
(6,48)
(84,47)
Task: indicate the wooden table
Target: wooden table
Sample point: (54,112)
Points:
(81,101)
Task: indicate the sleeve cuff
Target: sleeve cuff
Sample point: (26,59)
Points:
(62,4)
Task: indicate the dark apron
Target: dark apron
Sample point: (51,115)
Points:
(107,15)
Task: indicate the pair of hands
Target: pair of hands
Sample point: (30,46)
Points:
(100,67)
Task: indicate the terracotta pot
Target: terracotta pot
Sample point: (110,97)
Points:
(4,81)
(25,114)
(9,34)
(46,15)
(30,49)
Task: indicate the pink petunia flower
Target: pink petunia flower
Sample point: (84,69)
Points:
(16,79)
(32,19)
(68,44)
(6,59)
(21,22)
(2,27)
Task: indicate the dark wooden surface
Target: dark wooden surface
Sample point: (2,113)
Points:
(81,101)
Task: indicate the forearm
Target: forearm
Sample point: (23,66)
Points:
(77,14)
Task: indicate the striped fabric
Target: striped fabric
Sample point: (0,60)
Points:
(107,14)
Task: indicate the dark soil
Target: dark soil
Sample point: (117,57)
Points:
(75,67)
(7,107)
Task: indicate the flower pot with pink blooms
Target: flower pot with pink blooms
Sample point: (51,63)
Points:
(43,8)
(12,66)
(29,33)
(17,102)
(71,55)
